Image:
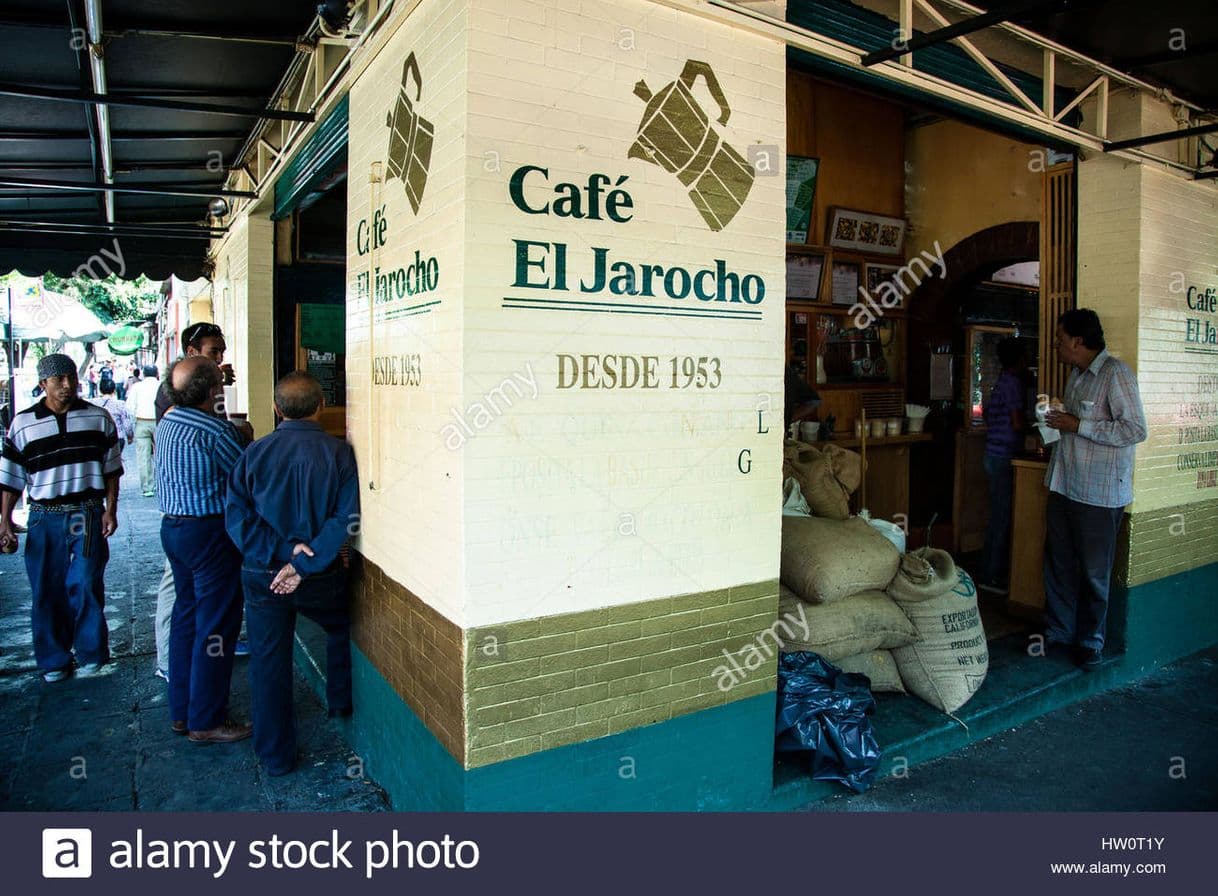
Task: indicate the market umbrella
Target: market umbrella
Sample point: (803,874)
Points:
(42,315)
(126,340)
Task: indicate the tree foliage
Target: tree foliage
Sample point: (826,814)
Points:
(112,300)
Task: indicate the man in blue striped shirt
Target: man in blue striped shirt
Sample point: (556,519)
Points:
(196,452)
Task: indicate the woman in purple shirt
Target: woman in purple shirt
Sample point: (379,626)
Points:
(1004,420)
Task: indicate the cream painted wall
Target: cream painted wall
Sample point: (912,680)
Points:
(580,498)
(961,179)
(242,298)
(1145,236)
(1109,237)
(1178,375)
(411,482)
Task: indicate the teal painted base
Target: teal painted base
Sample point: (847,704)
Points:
(721,759)
(716,760)
(1168,619)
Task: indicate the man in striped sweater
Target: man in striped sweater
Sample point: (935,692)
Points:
(196,450)
(68,454)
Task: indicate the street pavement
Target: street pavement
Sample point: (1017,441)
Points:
(104,743)
(1148,746)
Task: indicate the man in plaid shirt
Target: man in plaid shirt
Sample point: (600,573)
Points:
(1090,480)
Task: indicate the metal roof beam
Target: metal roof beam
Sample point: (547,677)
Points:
(43,211)
(999,14)
(69,136)
(243,37)
(1034,119)
(1163,137)
(116,230)
(7,88)
(115,188)
(1063,52)
(17,20)
(182,226)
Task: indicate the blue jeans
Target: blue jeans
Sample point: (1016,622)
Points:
(206,618)
(1080,546)
(270,622)
(65,558)
(1001,480)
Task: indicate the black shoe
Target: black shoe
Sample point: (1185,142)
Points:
(1088,658)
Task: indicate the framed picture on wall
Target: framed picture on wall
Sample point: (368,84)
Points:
(801,191)
(866,232)
(846,276)
(804,271)
(876,275)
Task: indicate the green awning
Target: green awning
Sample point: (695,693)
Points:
(325,152)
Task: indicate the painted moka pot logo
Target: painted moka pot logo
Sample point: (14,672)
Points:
(677,135)
(410,137)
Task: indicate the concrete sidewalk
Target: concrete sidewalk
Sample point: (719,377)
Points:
(104,743)
(1151,746)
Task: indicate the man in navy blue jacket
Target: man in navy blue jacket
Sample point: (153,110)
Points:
(293,502)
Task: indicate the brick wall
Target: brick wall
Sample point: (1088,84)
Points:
(542,683)
(416,649)
(1172,540)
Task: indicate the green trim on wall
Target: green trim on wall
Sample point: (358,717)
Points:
(1169,618)
(313,162)
(398,751)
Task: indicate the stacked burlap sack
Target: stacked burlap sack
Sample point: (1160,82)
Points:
(947,662)
(827,476)
(833,579)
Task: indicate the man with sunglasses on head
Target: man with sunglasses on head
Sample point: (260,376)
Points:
(206,340)
(198,340)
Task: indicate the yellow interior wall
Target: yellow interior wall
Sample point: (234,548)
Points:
(961,179)
(859,141)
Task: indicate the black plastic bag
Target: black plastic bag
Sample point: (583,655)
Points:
(824,710)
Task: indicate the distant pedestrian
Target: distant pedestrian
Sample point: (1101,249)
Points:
(291,502)
(133,377)
(196,452)
(123,421)
(1090,480)
(142,402)
(91,379)
(68,453)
